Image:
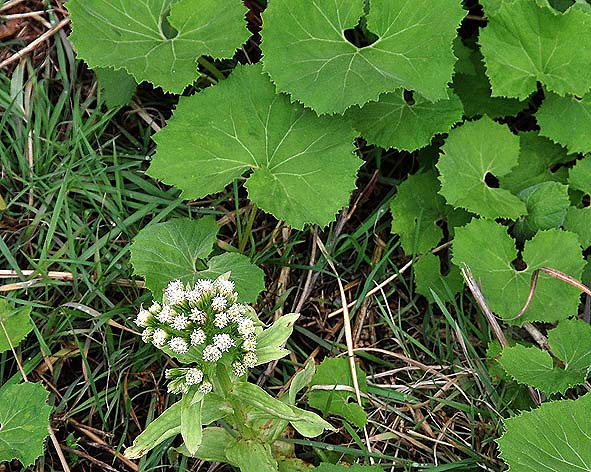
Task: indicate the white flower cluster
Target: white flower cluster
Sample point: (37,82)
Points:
(201,324)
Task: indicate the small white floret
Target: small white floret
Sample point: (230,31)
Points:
(223,342)
(179,322)
(211,354)
(224,286)
(221,320)
(165,314)
(159,337)
(205,387)
(235,312)
(194,376)
(246,327)
(197,337)
(205,286)
(239,369)
(219,303)
(155,308)
(147,335)
(197,316)
(250,359)
(142,318)
(250,343)
(178,345)
(193,296)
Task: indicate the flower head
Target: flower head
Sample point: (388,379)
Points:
(201,325)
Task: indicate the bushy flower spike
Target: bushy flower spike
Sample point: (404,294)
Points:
(201,324)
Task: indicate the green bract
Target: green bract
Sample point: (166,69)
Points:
(156,40)
(326,72)
(303,167)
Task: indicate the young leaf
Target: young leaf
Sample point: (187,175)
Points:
(578,221)
(579,177)
(14,323)
(417,211)
(570,341)
(167,425)
(270,342)
(24,418)
(562,118)
(472,86)
(309,424)
(471,153)
(524,43)
(538,158)
(428,277)
(546,204)
(117,85)
(490,252)
(409,124)
(250,456)
(554,437)
(303,166)
(301,380)
(532,366)
(191,425)
(156,40)
(212,446)
(178,249)
(249,278)
(329,74)
(336,395)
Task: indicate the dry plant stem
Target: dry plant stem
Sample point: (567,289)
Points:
(373,290)
(348,338)
(101,464)
(308,284)
(538,337)
(481,301)
(103,445)
(10,4)
(31,47)
(58,449)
